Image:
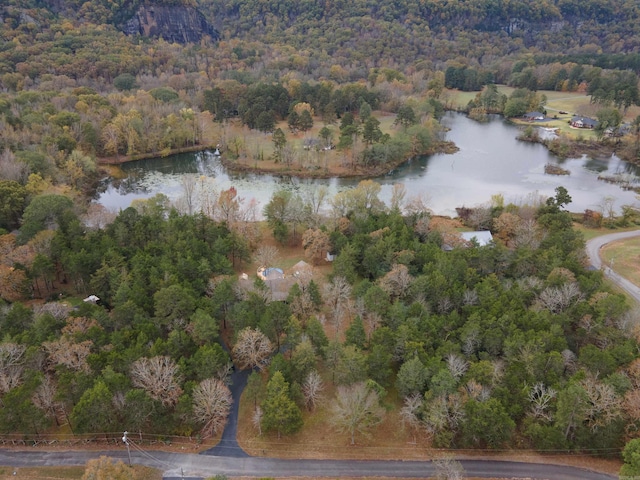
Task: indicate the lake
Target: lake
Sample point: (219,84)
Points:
(490,161)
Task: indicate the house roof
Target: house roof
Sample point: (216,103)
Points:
(483,237)
(585,121)
(299,268)
(534,115)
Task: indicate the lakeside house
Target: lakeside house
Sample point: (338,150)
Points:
(278,281)
(533,116)
(583,122)
(271,273)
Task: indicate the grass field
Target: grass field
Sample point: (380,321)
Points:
(624,257)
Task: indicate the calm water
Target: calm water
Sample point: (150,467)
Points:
(490,161)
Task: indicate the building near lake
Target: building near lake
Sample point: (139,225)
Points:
(533,116)
(583,122)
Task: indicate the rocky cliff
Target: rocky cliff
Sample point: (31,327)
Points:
(180,24)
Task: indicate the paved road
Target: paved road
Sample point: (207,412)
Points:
(593,250)
(193,466)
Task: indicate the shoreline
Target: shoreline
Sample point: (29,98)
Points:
(121,159)
(235,166)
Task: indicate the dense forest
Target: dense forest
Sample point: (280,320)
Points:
(513,344)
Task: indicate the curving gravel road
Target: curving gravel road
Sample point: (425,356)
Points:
(191,466)
(593,251)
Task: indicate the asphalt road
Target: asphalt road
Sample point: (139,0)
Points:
(192,466)
(593,251)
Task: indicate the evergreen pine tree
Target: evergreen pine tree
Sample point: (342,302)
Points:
(280,413)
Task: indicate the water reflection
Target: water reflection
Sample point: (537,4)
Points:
(490,161)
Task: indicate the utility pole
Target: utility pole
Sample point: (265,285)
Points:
(126,442)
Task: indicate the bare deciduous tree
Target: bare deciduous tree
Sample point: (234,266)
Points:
(396,282)
(448,468)
(603,405)
(558,299)
(477,391)
(79,325)
(631,404)
(68,353)
(266,255)
(314,198)
(569,360)
(57,310)
(633,372)
(12,168)
(44,397)
(302,306)
(540,397)
(211,405)
(442,413)
(409,413)
(398,194)
(337,295)
(189,184)
(97,217)
(158,376)
(224,373)
(253,349)
(470,297)
(11,365)
(457,365)
(312,389)
(417,206)
(372,319)
(527,234)
(471,341)
(315,243)
(356,409)
(256,419)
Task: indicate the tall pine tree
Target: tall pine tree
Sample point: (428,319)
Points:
(280,413)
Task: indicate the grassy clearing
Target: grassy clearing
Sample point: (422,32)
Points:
(624,257)
(320,439)
(589,233)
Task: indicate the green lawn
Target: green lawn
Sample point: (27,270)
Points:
(624,257)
